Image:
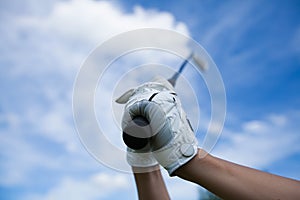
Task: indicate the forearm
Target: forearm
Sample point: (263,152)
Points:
(150,185)
(232,181)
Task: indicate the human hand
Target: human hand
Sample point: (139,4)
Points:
(166,133)
(139,156)
(136,129)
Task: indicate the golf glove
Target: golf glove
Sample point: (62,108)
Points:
(154,121)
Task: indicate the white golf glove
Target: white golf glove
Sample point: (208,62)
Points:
(137,137)
(141,156)
(168,135)
(140,160)
(183,144)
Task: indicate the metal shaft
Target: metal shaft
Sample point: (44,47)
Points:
(174,78)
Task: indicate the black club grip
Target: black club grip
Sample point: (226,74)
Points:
(137,133)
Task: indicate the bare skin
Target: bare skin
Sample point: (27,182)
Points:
(150,185)
(225,179)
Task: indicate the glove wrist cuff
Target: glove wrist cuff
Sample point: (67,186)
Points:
(135,159)
(171,158)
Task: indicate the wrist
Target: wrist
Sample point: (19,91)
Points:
(145,169)
(197,161)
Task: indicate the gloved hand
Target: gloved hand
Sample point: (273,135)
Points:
(136,129)
(168,135)
(140,157)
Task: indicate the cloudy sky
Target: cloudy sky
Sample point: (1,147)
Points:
(255,44)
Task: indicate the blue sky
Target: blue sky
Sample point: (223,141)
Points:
(255,44)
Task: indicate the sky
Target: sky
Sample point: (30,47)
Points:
(255,44)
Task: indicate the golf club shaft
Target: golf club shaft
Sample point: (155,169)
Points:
(174,78)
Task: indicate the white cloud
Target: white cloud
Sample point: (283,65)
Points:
(105,185)
(45,61)
(180,189)
(21,158)
(255,126)
(278,120)
(95,21)
(56,44)
(97,186)
(261,142)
